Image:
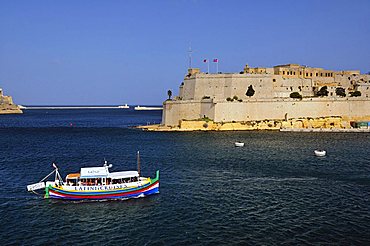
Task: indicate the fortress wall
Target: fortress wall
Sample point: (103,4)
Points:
(251,110)
(188,90)
(222,86)
(261,110)
(174,111)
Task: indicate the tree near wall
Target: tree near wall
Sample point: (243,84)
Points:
(340,92)
(295,95)
(250,92)
(323,92)
(169,93)
(355,94)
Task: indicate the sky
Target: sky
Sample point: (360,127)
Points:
(112,52)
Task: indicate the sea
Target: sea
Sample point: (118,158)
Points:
(272,191)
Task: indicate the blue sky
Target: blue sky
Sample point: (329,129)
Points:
(115,52)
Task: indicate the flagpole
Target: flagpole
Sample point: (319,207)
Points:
(208,65)
(217,66)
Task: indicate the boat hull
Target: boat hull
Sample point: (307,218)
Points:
(103,192)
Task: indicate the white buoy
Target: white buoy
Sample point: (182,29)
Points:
(320,152)
(239,144)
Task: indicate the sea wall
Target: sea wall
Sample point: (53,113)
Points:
(264,109)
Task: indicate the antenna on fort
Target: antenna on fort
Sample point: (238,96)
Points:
(190,52)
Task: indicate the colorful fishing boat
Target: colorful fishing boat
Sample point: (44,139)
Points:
(97,183)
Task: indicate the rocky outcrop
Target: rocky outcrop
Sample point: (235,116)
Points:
(333,123)
(7,106)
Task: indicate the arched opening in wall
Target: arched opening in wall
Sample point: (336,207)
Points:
(310,74)
(317,74)
(273,80)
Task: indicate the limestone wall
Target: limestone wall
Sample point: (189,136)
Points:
(250,110)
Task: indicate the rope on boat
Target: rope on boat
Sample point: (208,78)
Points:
(34,192)
(47,176)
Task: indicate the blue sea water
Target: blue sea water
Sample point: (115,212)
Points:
(273,191)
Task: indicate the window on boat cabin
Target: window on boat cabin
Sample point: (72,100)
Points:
(72,182)
(90,182)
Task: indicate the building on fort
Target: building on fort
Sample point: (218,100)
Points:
(7,106)
(223,97)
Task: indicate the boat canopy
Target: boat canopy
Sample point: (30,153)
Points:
(73,176)
(122,175)
(94,172)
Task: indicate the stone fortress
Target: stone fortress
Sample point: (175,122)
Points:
(7,106)
(220,101)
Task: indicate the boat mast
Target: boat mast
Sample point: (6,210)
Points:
(138,162)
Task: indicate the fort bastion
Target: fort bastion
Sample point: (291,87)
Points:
(283,92)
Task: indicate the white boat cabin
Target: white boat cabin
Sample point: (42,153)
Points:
(93,176)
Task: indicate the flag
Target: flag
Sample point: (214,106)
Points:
(55,166)
(205,60)
(215,60)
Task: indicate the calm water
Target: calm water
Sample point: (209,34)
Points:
(273,191)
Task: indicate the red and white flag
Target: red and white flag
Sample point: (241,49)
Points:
(205,60)
(215,60)
(55,166)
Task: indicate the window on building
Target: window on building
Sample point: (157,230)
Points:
(317,74)
(300,73)
(310,74)
(306,74)
(273,80)
(283,72)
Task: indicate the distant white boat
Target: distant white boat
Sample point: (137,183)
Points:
(124,106)
(147,108)
(239,144)
(320,152)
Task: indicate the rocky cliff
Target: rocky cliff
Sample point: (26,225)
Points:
(7,106)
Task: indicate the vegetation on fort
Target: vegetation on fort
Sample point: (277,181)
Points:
(235,98)
(355,94)
(339,91)
(323,92)
(250,92)
(295,95)
(169,93)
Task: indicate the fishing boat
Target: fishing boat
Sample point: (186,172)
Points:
(239,144)
(320,153)
(97,183)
